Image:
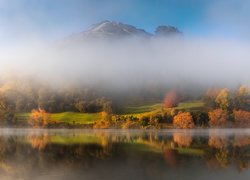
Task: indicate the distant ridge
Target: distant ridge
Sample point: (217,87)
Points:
(117,30)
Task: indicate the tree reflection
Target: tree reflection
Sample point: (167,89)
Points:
(18,154)
(241,141)
(183,139)
(38,141)
(241,151)
(217,141)
(170,156)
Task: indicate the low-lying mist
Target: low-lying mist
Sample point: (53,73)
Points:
(127,63)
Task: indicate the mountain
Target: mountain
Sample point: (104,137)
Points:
(112,30)
(167,31)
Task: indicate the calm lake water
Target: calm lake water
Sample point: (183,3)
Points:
(120,154)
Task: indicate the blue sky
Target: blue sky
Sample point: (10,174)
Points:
(54,19)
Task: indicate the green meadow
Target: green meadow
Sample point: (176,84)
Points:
(90,118)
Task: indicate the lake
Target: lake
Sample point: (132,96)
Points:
(36,154)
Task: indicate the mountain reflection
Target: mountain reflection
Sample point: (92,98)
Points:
(34,152)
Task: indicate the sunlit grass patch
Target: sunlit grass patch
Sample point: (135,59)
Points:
(141,109)
(65,117)
(193,105)
(75,118)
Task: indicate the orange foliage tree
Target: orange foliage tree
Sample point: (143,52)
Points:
(217,118)
(171,99)
(38,118)
(242,118)
(183,120)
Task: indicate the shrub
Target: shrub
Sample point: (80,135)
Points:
(183,120)
(200,118)
(144,121)
(155,119)
(174,112)
(105,116)
(218,118)
(130,125)
(102,124)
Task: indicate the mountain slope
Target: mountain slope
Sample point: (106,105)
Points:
(112,30)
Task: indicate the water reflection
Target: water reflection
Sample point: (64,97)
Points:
(183,139)
(38,141)
(120,154)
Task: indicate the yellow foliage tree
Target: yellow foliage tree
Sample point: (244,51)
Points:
(38,118)
(223,99)
(242,97)
(183,120)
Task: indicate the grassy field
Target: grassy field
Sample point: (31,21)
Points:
(78,118)
(190,106)
(66,117)
(89,118)
(141,109)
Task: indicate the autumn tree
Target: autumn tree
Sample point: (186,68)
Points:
(223,99)
(171,99)
(218,118)
(200,118)
(6,112)
(183,120)
(38,118)
(210,96)
(242,118)
(81,106)
(241,98)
